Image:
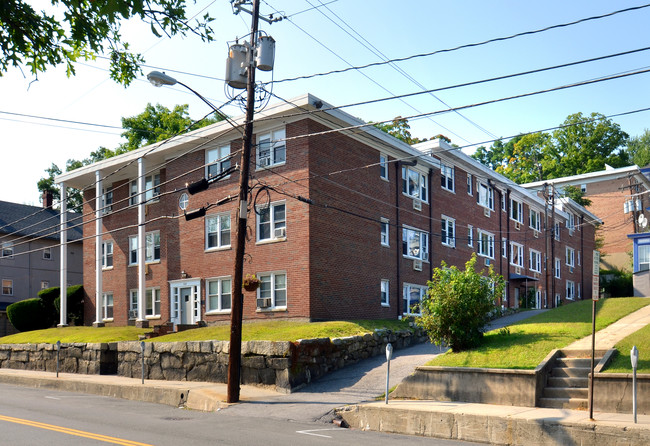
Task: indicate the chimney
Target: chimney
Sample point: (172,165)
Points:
(47,199)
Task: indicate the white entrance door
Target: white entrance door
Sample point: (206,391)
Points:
(186,305)
(186,301)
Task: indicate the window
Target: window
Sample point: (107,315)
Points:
(504,248)
(107,200)
(217,231)
(470,236)
(385,231)
(383,166)
(570,256)
(414,184)
(534,219)
(107,306)
(151,250)
(516,211)
(151,189)
(219,295)
(448,231)
(273,286)
(516,254)
(385,300)
(271,149)
(447,177)
(151,302)
(486,196)
(557,268)
(583,188)
(485,244)
(411,297)
(271,222)
(470,180)
(557,231)
(107,255)
(504,203)
(7,287)
(570,290)
(8,249)
(415,244)
(45,284)
(535,261)
(578,258)
(217,160)
(643,256)
(47,253)
(570,223)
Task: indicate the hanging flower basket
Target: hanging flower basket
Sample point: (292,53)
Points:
(251,283)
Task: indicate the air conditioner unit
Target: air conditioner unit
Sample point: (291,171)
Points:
(486,262)
(518,270)
(133,314)
(264,162)
(571,269)
(517,226)
(486,212)
(417,204)
(146,269)
(264,302)
(280,232)
(536,234)
(417,265)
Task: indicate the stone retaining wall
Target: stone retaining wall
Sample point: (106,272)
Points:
(284,365)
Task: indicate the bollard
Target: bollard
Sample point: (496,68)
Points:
(389,354)
(142,348)
(634,357)
(58,350)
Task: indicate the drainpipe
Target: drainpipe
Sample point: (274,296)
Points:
(431,223)
(546,242)
(141,321)
(553,304)
(398,237)
(508,249)
(582,255)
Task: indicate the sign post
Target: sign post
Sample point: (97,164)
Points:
(634,357)
(389,354)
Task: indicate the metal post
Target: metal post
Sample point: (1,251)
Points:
(58,351)
(389,354)
(634,357)
(142,354)
(236,314)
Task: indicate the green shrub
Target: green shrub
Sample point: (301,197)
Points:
(29,314)
(456,307)
(617,283)
(75,305)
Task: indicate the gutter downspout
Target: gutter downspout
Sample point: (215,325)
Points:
(398,239)
(582,255)
(508,248)
(141,321)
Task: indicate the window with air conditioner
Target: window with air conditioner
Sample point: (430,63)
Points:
(516,211)
(570,257)
(448,231)
(272,290)
(415,244)
(151,250)
(516,254)
(486,196)
(271,149)
(414,184)
(411,297)
(485,245)
(271,222)
(534,220)
(570,290)
(535,261)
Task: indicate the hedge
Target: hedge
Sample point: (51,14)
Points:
(29,314)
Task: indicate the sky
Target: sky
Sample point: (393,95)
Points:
(53,118)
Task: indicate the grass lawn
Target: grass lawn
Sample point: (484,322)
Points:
(270,331)
(530,340)
(622,363)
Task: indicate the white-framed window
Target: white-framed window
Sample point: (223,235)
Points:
(516,254)
(217,160)
(151,301)
(470,182)
(273,286)
(570,290)
(219,297)
(570,256)
(558,265)
(151,189)
(47,253)
(571,223)
(535,261)
(485,244)
(583,188)
(414,184)
(485,196)
(415,244)
(504,248)
(579,258)
(557,231)
(447,177)
(151,250)
(272,149)
(45,284)
(643,257)
(107,255)
(217,231)
(504,203)
(448,234)
(106,205)
(8,250)
(383,166)
(385,232)
(7,287)
(411,297)
(470,236)
(107,306)
(516,211)
(534,219)
(385,298)
(272,222)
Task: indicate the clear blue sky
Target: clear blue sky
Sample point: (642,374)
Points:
(313,42)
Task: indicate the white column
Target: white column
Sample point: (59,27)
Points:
(63,265)
(141,245)
(98,249)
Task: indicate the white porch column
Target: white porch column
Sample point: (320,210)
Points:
(63,265)
(98,250)
(141,321)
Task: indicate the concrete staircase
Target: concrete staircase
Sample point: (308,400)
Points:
(567,385)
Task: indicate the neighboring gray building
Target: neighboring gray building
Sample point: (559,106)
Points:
(30,254)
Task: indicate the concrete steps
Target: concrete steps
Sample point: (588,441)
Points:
(567,385)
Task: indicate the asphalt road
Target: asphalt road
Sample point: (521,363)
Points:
(43,417)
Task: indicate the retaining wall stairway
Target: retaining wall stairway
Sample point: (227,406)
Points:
(567,385)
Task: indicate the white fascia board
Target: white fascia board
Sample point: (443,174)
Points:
(592,177)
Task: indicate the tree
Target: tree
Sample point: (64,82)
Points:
(638,149)
(455,309)
(400,129)
(83,29)
(577,195)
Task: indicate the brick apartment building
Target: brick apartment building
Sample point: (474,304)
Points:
(344,222)
(619,196)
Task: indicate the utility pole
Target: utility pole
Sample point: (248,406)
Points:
(236,313)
